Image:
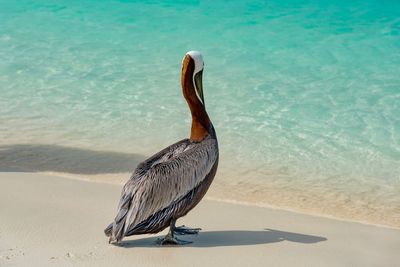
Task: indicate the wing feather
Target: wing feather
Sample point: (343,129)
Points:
(168,181)
(164,182)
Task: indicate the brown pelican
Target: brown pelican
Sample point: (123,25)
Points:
(169,184)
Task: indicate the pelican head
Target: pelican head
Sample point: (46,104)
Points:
(193,66)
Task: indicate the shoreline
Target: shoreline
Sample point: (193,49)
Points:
(55,220)
(113,167)
(120,179)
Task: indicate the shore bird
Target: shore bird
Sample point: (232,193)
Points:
(172,182)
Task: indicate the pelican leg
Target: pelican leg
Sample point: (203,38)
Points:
(170,238)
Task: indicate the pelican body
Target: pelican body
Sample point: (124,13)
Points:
(172,182)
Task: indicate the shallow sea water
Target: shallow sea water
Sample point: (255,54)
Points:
(304,95)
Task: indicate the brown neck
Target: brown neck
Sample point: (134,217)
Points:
(200,121)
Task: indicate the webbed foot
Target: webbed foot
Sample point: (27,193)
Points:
(183,230)
(171,240)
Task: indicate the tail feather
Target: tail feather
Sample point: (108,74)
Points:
(116,230)
(108,230)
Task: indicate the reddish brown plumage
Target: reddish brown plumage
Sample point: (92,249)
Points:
(200,120)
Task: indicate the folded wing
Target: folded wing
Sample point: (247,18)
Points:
(161,181)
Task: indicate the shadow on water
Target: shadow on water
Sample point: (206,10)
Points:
(232,238)
(40,158)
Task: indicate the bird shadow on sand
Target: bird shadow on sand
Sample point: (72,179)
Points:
(231,238)
(54,158)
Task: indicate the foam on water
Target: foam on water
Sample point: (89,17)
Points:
(305,95)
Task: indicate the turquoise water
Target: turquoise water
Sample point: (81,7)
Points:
(305,95)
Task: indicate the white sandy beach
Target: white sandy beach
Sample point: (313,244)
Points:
(53,221)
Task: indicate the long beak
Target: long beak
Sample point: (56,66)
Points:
(198,82)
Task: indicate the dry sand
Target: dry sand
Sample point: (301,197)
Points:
(49,220)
